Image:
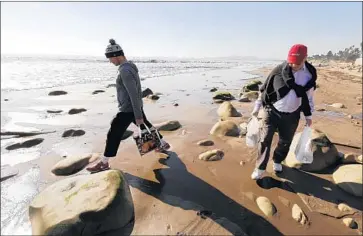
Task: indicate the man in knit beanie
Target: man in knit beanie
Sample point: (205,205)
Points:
(129,97)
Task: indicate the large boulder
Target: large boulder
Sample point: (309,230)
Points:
(83,205)
(251,86)
(226,109)
(349,178)
(71,165)
(324,152)
(225,128)
(225,96)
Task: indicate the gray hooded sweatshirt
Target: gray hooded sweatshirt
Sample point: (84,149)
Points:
(128,86)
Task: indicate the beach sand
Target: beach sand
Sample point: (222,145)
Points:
(169,191)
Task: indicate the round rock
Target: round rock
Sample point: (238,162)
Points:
(266,206)
(71,165)
(225,128)
(349,222)
(213,155)
(83,205)
(205,143)
(349,178)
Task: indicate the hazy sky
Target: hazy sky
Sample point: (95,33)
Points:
(184,29)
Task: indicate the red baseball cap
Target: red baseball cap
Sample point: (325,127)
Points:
(297,54)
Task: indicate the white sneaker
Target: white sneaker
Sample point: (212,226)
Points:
(277,167)
(257,174)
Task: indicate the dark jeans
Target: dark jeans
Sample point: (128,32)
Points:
(119,125)
(286,125)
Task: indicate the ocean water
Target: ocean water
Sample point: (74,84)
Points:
(34,72)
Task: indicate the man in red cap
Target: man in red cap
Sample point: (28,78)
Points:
(286,92)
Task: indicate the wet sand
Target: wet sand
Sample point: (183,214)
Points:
(169,191)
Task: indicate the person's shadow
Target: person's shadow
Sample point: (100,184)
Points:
(311,185)
(208,201)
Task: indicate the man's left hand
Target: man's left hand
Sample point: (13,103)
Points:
(139,122)
(309,122)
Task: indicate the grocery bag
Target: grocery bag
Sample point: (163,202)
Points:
(253,133)
(303,150)
(147,140)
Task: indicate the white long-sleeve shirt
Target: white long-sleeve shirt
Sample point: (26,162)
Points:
(291,102)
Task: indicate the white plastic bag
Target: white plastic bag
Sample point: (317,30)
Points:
(253,133)
(303,150)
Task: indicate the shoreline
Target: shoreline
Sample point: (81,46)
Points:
(205,182)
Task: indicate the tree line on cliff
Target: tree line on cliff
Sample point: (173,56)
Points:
(348,54)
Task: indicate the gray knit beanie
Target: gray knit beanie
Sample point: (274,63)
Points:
(113,49)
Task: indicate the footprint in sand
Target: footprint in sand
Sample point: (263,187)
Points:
(26,144)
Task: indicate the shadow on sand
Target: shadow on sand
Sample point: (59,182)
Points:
(311,185)
(176,181)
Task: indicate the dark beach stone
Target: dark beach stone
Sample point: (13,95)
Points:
(111,85)
(147,92)
(54,111)
(73,133)
(57,93)
(76,111)
(98,91)
(26,144)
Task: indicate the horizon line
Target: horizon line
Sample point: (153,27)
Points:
(141,57)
